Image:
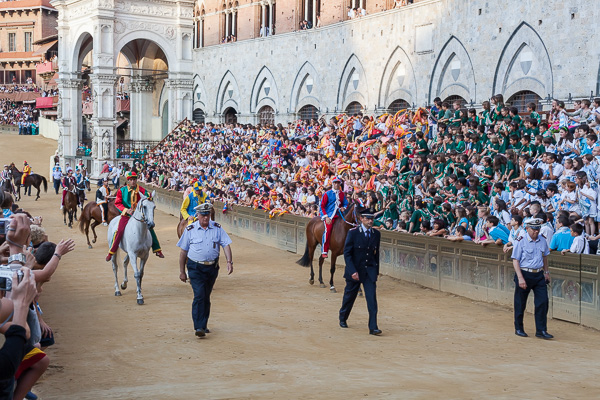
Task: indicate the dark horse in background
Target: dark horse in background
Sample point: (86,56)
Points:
(73,198)
(91,214)
(314,236)
(34,180)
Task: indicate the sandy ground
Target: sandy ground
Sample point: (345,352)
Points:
(276,337)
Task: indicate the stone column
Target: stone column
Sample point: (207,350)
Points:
(104,120)
(306,9)
(263,18)
(141,108)
(226,24)
(270,18)
(180,86)
(233,24)
(69,116)
(201,44)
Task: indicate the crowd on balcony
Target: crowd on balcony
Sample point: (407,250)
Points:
(447,171)
(19,88)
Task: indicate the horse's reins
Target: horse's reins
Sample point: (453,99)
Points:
(353,214)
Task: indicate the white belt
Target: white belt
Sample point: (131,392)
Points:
(204,262)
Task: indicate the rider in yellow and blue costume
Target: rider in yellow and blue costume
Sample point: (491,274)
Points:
(193,200)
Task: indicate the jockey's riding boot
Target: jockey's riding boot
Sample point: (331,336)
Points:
(159,254)
(108,257)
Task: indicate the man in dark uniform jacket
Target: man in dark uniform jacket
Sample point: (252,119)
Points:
(361,253)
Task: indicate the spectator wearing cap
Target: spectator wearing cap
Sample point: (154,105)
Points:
(530,260)
(200,246)
(361,254)
(191,201)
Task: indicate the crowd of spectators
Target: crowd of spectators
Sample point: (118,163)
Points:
(24,116)
(447,171)
(23,356)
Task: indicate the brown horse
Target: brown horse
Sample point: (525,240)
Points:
(70,207)
(34,180)
(92,211)
(184,222)
(314,236)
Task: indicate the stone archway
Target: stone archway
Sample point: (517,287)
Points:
(155,42)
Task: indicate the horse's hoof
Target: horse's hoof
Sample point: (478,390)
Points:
(123,286)
(90,246)
(332,290)
(117,293)
(311,281)
(94,241)
(140,302)
(322,285)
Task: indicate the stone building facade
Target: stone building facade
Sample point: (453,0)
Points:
(469,50)
(23,22)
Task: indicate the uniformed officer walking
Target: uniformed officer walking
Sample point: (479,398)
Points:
(361,253)
(530,260)
(200,245)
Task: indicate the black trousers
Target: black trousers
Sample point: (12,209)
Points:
(536,282)
(56,185)
(202,277)
(350,293)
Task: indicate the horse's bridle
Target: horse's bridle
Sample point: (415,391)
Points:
(144,219)
(353,215)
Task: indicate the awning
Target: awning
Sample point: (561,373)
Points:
(121,122)
(19,97)
(44,48)
(44,102)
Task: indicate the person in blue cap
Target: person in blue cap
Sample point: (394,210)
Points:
(530,260)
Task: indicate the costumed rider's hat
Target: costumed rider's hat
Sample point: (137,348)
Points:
(534,223)
(366,213)
(204,209)
(197,186)
(131,175)
(336,180)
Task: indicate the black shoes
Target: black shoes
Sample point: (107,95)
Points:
(343,324)
(375,332)
(521,333)
(207,330)
(200,332)
(544,335)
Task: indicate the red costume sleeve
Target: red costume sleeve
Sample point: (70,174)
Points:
(119,200)
(323,204)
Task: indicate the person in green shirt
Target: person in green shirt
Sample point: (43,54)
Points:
(526,147)
(513,112)
(417,217)
(531,107)
(539,145)
(530,127)
(459,144)
(486,114)
(422,147)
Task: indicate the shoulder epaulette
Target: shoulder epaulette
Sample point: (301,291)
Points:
(355,228)
(217,225)
(189,227)
(519,238)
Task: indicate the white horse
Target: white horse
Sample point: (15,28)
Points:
(136,243)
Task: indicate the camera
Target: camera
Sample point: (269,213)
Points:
(4,223)
(6,276)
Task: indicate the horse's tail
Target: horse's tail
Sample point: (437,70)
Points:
(45,183)
(84,219)
(305,260)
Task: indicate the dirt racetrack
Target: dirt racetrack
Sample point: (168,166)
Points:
(276,337)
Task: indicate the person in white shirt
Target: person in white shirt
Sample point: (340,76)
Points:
(580,244)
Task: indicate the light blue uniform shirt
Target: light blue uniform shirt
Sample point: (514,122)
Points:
(530,253)
(203,244)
